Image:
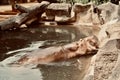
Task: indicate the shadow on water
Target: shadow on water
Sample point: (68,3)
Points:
(41,37)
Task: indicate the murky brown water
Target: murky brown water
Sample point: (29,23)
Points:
(13,42)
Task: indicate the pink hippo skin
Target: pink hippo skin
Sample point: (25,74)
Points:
(84,46)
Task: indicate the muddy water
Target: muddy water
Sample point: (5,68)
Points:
(40,37)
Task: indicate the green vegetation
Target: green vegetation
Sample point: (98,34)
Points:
(85,1)
(96,1)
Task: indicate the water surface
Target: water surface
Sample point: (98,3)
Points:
(36,37)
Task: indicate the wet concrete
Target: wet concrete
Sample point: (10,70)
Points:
(39,37)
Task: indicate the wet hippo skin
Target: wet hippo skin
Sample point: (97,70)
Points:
(82,47)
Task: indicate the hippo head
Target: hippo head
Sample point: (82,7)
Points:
(88,45)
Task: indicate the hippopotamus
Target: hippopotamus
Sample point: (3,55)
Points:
(85,46)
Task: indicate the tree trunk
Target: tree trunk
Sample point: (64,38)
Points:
(25,15)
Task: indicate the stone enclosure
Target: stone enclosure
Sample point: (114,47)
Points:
(102,22)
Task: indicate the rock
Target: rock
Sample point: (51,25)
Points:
(109,31)
(61,18)
(105,64)
(116,71)
(56,10)
(85,13)
(106,60)
(113,31)
(109,11)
